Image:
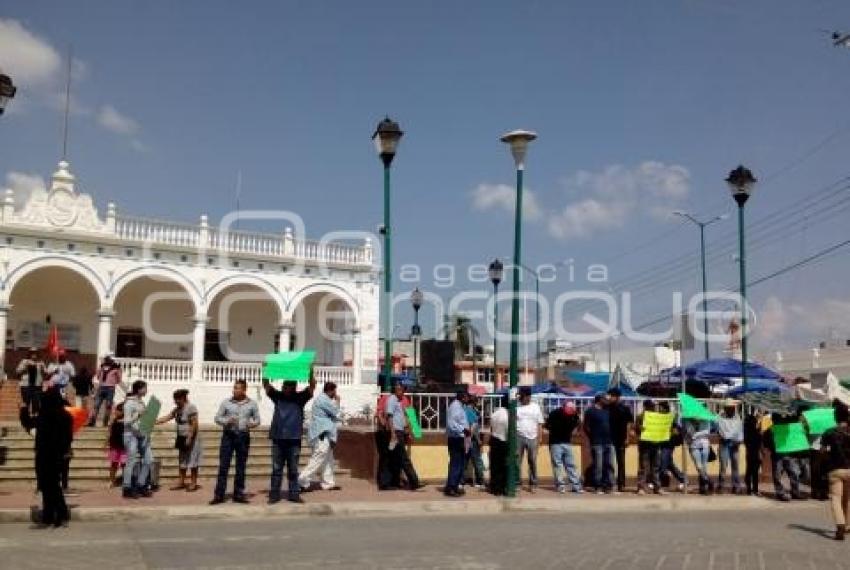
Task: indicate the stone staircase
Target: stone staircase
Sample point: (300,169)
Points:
(89,466)
(9,395)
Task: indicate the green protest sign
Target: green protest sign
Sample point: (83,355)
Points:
(148,418)
(415,428)
(289,365)
(789,438)
(820,420)
(693,409)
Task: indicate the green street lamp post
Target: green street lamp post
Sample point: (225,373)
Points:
(496,271)
(386,137)
(7,91)
(741,183)
(518,141)
(416,298)
(702,226)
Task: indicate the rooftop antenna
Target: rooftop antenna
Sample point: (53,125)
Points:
(67,106)
(238,195)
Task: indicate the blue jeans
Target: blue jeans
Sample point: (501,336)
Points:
(138,449)
(789,465)
(457,459)
(603,466)
(668,465)
(562,461)
(285,451)
(700,451)
(232,442)
(474,457)
(105,395)
(729,457)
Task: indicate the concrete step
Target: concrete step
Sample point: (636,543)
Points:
(99,452)
(167,474)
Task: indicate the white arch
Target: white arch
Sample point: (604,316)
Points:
(165,273)
(47,261)
(246,279)
(327,288)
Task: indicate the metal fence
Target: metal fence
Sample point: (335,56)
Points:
(431,408)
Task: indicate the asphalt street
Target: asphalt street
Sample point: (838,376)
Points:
(793,538)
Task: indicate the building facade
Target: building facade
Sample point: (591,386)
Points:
(182,305)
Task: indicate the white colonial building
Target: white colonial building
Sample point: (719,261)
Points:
(182,305)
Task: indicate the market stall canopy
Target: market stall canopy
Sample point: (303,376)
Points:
(721,369)
(761,386)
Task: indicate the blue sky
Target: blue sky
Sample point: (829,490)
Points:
(641,108)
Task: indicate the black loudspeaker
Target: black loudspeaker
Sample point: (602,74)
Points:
(437,361)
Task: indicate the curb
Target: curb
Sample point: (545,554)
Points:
(402,509)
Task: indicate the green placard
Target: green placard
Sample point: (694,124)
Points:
(820,420)
(789,438)
(693,409)
(149,416)
(289,365)
(415,428)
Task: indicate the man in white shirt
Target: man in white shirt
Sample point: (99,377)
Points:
(529,418)
(499,448)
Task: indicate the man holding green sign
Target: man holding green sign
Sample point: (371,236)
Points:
(287,424)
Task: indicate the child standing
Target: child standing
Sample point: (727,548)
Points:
(116,454)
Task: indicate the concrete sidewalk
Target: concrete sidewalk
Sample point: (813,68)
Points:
(359,498)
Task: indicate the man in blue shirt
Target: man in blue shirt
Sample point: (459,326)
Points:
(597,427)
(399,460)
(474,455)
(457,432)
(285,433)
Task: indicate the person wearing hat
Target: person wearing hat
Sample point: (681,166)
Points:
(31,372)
(107,378)
(561,424)
(730,427)
(285,432)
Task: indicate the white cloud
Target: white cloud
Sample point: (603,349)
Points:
(611,197)
(772,321)
(27,58)
(111,119)
(503,197)
(24,184)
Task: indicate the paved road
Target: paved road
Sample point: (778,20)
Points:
(767,540)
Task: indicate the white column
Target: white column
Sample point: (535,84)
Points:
(104,332)
(284,336)
(357,357)
(199,339)
(4,325)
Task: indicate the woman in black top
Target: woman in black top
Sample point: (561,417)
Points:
(53,438)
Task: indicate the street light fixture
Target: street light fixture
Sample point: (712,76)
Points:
(496,271)
(416,297)
(518,141)
(741,183)
(702,226)
(7,91)
(387,136)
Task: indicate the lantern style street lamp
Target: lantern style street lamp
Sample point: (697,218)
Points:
(518,142)
(386,137)
(741,183)
(496,271)
(416,298)
(7,91)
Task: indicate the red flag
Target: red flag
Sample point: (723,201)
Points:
(53,346)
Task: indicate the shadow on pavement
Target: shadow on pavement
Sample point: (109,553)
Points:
(825,533)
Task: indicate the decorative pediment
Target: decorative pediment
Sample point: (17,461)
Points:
(61,207)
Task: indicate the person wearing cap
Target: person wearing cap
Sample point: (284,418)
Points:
(31,372)
(108,376)
(561,424)
(529,419)
(621,420)
(457,434)
(731,431)
(285,432)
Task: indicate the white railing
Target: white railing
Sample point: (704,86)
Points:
(157,232)
(431,408)
(171,371)
(212,239)
(340,375)
(229,372)
(156,369)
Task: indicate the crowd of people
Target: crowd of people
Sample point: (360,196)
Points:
(609,427)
